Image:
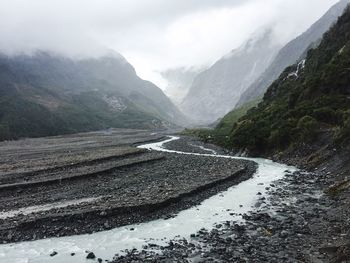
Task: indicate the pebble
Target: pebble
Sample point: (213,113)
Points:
(90,255)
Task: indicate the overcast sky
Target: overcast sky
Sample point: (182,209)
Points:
(153,35)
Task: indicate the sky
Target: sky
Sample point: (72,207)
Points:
(153,35)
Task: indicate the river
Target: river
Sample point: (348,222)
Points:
(238,199)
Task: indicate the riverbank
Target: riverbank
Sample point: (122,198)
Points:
(97,185)
(303,219)
(259,220)
(330,230)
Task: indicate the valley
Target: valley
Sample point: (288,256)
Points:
(225,140)
(76,184)
(255,214)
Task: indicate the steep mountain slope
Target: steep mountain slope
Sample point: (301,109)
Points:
(293,52)
(226,124)
(307,110)
(46,94)
(216,91)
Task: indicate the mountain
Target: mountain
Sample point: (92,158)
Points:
(216,90)
(46,94)
(307,109)
(179,82)
(292,52)
(225,125)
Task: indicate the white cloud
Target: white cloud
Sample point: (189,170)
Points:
(152,34)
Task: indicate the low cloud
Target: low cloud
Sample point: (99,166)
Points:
(154,35)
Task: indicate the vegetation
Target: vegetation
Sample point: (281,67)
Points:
(298,109)
(225,126)
(205,135)
(338,188)
(44,95)
(21,117)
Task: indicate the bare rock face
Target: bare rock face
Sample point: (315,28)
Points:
(216,91)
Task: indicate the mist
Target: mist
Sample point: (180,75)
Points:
(153,35)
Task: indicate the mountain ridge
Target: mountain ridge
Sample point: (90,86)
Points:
(47,94)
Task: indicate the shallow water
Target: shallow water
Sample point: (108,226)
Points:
(238,199)
(42,208)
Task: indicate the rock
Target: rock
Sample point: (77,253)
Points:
(239,228)
(258,204)
(90,255)
(284,234)
(152,245)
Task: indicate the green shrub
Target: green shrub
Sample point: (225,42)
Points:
(225,126)
(277,138)
(307,127)
(253,134)
(326,115)
(345,115)
(343,134)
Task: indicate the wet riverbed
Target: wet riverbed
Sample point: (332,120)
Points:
(225,206)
